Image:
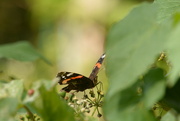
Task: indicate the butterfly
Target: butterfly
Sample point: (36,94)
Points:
(78,82)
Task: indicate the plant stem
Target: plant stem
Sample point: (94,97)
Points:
(29,112)
(93,111)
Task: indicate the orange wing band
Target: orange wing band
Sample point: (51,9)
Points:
(66,80)
(98,65)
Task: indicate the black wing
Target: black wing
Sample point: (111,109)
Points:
(75,81)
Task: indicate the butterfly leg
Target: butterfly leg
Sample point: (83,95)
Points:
(85,95)
(95,81)
(101,85)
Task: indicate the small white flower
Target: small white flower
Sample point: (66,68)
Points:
(75,98)
(79,102)
(87,110)
(94,99)
(82,109)
(72,106)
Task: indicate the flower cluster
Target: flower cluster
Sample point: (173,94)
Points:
(26,117)
(92,101)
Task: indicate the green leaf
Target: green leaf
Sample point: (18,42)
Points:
(50,107)
(126,106)
(172,97)
(154,87)
(170,9)
(169,116)
(48,84)
(8,107)
(167,8)
(31,98)
(22,51)
(12,89)
(173,55)
(132,46)
(130,100)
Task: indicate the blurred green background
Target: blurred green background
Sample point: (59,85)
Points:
(71,34)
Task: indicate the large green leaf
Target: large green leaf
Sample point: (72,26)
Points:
(167,8)
(173,54)
(50,107)
(22,51)
(132,46)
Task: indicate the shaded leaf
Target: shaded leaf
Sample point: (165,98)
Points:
(22,51)
(169,116)
(154,87)
(50,107)
(172,97)
(126,106)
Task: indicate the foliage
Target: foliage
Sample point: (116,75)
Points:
(138,77)
(43,100)
(22,51)
(142,68)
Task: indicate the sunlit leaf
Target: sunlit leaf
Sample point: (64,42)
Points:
(8,108)
(132,46)
(35,87)
(12,89)
(173,49)
(167,8)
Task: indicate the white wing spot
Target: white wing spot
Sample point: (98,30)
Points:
(69,74)
(103,56)
(63,77)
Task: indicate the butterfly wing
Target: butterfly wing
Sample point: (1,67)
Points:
(96,68)
(75,81)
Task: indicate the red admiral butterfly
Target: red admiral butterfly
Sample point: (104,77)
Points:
(79,82)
